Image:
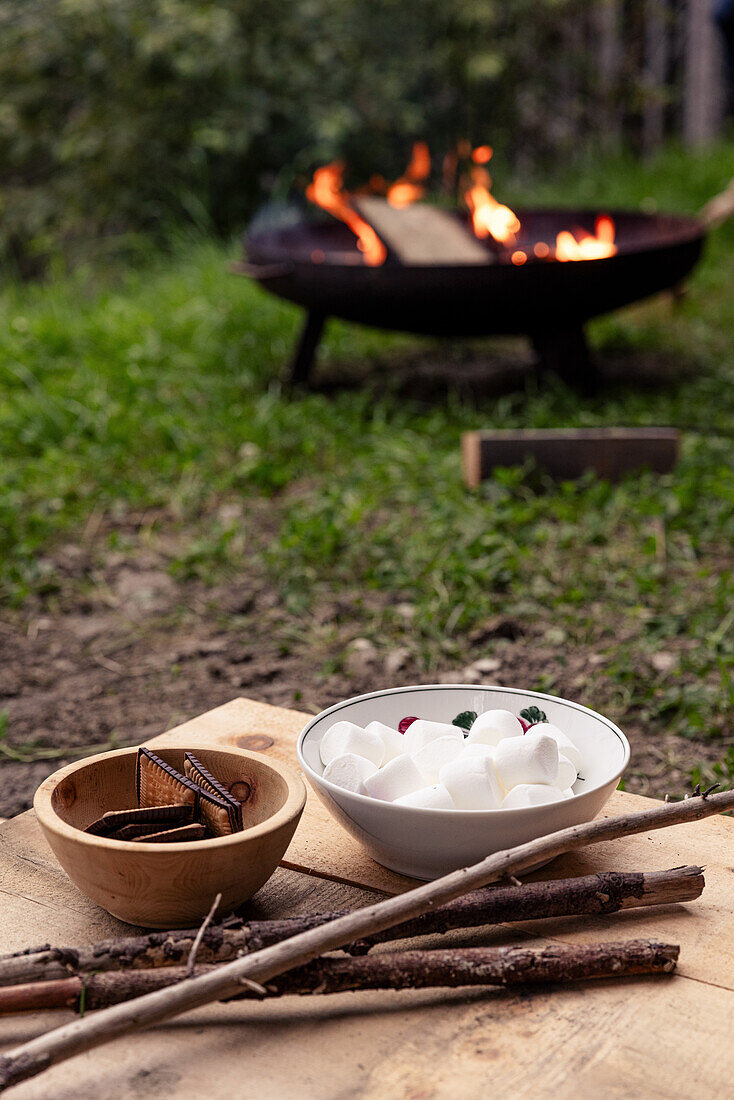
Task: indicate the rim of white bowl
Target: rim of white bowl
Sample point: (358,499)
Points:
(369,800)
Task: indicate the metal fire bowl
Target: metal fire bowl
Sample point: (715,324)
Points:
(655,251)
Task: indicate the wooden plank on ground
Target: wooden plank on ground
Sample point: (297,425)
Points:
(568,452)
(422,234)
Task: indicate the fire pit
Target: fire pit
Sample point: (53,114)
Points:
(520,285)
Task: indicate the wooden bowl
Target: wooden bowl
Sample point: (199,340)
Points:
(169,885)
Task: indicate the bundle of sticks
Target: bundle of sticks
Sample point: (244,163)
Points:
(100,974)
(272,958)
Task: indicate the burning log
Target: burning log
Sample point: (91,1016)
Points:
(447,968)
(423,235)
(605,893)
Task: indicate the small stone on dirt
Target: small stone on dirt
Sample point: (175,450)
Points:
(396,660)
(486,664)
(361,658)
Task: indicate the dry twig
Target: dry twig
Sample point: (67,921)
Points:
(200,935)
(448,967)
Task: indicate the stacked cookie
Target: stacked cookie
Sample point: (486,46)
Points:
(173,806)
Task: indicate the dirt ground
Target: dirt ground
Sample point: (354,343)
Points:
(139,653)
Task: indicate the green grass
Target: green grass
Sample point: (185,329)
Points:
(160,389)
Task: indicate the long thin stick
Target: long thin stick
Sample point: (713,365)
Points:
(450,967)
(602,893)
(34,1057)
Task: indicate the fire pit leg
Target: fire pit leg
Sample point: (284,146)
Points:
(305,352)
(566,353)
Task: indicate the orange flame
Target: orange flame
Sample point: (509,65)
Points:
(408,188)
(589,247)
(489,217)
(326,191)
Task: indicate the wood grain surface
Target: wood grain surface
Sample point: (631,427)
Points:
(611,1040)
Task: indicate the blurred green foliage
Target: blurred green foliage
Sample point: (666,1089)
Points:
(122,116)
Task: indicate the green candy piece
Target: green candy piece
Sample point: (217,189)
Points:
(533,715)
(465,720)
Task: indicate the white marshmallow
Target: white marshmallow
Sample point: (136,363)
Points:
(350,772)
(396,779)
(567,774)
(419,733)
(493,726)
(393,741)
(428,798)
(568,793)
(431,758)
(564,742)
(529,759)
(345,737)
(472,783)
(477,748)
(531,794)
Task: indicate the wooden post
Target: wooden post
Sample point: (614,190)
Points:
(703,82)
(610,53)
(657,51)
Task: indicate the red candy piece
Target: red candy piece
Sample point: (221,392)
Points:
(524,723)
(405,722)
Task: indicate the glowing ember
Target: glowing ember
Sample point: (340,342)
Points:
(588,247)
(408,188)
(326,191)
(482,154)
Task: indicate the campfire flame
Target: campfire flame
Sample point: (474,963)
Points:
(326,190)
(589,247)
(408,188)
(489,218)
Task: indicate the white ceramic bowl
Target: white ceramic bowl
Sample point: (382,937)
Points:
(427,843)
